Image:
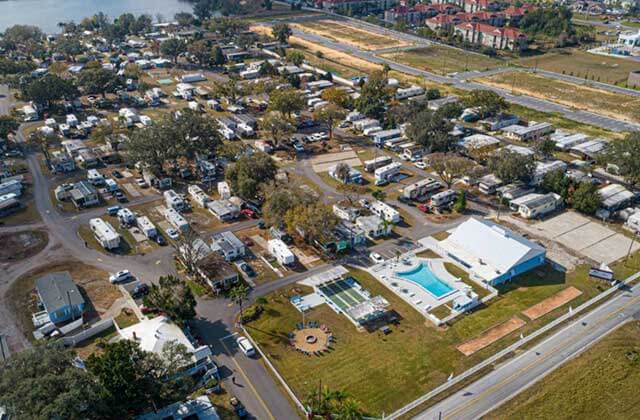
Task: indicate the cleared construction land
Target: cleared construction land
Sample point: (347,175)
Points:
(601,383)
(348,34)
(600,101)
(443,60)
(580,64)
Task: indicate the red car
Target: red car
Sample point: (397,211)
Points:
(248,212)
(423,208)
(247,241)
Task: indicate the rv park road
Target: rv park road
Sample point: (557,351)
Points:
(518,374)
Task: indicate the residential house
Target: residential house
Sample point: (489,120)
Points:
(224,209)
(534,206)
(531,132)
(83,194)
(217,272)
(60,297)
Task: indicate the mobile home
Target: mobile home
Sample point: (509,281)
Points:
(373,164)
(443,199)
(176,220)
(104,233)
(386,173)
(198,195)
(385,211)
(147,227)
(174,201)
(421,188)
(281,252)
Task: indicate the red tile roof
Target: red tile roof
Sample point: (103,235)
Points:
(509,33)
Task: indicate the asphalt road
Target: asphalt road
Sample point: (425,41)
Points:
(518,374)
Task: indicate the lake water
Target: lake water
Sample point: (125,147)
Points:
(47,13)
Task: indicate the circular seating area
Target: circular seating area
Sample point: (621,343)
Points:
(311,339)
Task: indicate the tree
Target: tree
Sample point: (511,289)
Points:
(557,182)
(511,166)
(184,18)
(330,114)
(625,154)
(432,94)
(100,81)
(295,56)
(218,56)
(336,96)
(69,47)
(8,124)
(268,69)
(544,148)
(43,382)
(586,198)
(48,89)
(278,127)
(325,403)
(487,102)
(267,4)
(172,296)
(201,51)
(461,202)
(449,166)
(173,47)
(352,192)
(314,222)
(374,95)
(342,172)
(228,27)
(429,129)
(203,9)
(238,294)
(286,101)
(281,32)
(247,175)
(40,141)
(135,380)
(379,195)
(280,198)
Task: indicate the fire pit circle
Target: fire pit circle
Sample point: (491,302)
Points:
(311,339)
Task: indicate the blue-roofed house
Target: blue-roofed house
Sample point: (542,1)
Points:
(60,297)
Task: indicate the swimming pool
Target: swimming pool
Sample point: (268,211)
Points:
(422,276)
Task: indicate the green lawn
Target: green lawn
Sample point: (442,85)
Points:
(601,383)
(580,63)
(444,60)
(386,372)
(464,276)
(441,236)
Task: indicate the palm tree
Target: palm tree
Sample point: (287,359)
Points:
(238,295)
(349,410)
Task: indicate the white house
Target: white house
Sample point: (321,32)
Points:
(528,133)
(404,93)
(491,252)
(147,227)
(373,226)
(386,173)
(532,206)
(104,233)
(224,210)
(198,195)
(224,190)
(228,245)
(281,252)
(385,211)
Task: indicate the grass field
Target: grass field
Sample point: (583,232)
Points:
(443,60)
(386,372)
(601,383)
(587,98)
(580,64)
(349,34)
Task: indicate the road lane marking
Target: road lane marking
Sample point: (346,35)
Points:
(247,381)
(536,362)
(158,262)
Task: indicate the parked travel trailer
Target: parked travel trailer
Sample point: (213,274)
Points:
(198,195)
(373,164)
(126,217)
(104,233)
(224,190)
(147,227)
(95,177)
(443,199)
(385,211)
(421,188)
(176,220)
(174,201)
(281,252)
(385,174)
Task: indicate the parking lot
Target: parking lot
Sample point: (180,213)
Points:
(588,238)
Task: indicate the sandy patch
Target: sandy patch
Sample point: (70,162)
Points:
(490,336)
(350,35)
(551,303)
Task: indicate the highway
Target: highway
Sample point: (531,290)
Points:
(518,374)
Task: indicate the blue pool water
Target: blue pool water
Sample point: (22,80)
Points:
(422,276)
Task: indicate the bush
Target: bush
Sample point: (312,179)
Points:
(252,313)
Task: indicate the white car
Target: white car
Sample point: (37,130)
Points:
(141,183)
(420,165)
(246,346)
(364,203)
(376,258)
(120,277)
(172,233)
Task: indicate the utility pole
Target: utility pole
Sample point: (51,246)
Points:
(633,239)
(513,84)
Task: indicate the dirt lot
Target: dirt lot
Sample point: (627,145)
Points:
(490,336)
(92,282)
(603,102)
(348,34)
(21,245)
(549,304)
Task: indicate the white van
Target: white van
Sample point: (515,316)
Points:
(246,346)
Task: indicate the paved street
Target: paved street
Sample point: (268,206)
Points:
(517,374)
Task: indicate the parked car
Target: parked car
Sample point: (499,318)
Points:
(248,270)
(261,224)
(376,258)
(247,241)
(365,203)
(119,195)
(120,276)
(142,183)
(248,213)
(420,165)
(245,346)
(140,290)
(423,208)
(160,240)
(113,210)
(172,233)
(117,174)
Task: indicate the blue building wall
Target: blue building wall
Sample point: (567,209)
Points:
(523,267)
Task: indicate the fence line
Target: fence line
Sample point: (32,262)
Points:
(92,331)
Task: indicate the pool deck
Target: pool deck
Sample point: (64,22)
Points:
(412,293)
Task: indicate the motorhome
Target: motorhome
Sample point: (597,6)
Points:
(421,188)
(443,199)
(126,217)
(174,201)
(281,252)
(198,195)
(385,211)
(386,174)
(176,220)
(378,162)
(95,177)
(383,136)
(147,227)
